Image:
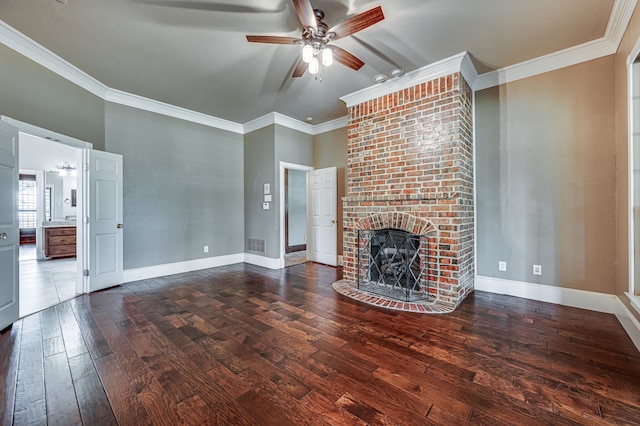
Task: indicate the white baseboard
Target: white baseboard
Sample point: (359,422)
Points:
(265,262)
(600,302)
(154,271)
(628,321)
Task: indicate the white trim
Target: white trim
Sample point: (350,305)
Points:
(291,166)
(259,123)
(594,49)
(574,55)
(438,69)
(635,300)
(22,44)
(630,180)
(328,126)
(599,302)
(155,271)
(475,182)
(606,45)
(292,123)
(265,262)
(146,104)
(619,20)
(46,134)
(628,321)
(280,119)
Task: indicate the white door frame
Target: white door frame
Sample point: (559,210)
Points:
(291,166)
(83,148)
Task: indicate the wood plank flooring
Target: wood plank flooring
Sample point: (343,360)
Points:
(243,345)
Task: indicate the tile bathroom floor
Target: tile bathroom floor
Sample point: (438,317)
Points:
(44,283)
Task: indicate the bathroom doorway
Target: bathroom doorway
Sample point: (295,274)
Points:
(47,213)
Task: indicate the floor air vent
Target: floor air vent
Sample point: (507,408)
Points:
(257,245)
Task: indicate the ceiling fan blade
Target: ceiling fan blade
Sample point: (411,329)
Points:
(345,58)
(358,22)
(300,68)
(305,14)
(271,39)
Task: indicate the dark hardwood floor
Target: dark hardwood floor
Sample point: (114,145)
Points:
(244,345)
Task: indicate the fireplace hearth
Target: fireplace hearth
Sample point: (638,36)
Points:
(391,263)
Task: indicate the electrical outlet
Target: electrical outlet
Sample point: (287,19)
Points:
(502,266)
(206,249)
(537,269)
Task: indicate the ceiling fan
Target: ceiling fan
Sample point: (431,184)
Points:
(317,37)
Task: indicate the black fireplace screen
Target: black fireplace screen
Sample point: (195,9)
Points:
(394,264)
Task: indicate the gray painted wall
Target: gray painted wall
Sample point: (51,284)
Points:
(259,168)
(183,187)
(545,167)
(35,95)
(264,150)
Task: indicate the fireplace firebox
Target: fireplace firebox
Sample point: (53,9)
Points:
(393,263)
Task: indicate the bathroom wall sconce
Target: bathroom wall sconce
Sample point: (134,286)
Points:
(67,170)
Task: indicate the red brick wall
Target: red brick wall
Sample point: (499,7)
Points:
(412,152)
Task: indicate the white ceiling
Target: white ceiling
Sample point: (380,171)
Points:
(194,54)
(41,154)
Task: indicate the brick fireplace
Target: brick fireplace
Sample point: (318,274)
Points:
(410,168)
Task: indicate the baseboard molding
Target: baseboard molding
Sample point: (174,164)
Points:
(593,301)
(265,262)
(628,322)
(155,271)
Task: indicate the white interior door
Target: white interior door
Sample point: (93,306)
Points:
(104,220)
(9,229)
(324,214)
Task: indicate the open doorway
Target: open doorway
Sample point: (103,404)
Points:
(294,212)
(47,213)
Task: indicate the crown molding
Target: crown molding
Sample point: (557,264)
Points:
(292,123)
(22,44)
(438,69)
(551,62)
(259,123)
(604,46)
(328,126)
(619,20)
(135,101)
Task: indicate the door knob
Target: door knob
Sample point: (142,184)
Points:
(120,226)
(3,236)
(333,222)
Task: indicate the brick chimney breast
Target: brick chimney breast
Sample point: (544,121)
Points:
(410,167)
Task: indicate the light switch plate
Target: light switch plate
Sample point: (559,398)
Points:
(502,266)
(267,198)
(267,188)
(537,269)
(265,206)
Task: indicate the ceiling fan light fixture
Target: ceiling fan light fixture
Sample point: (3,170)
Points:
(314,66)
(307,53)
(327,56)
